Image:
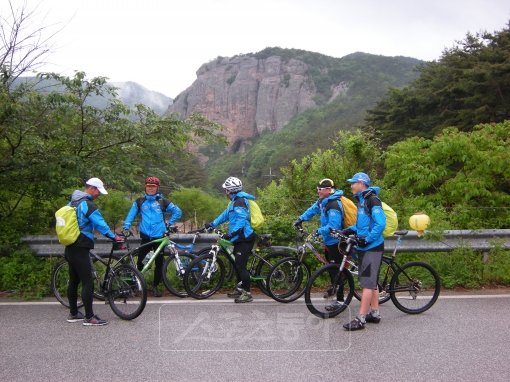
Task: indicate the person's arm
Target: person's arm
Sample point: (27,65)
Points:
(379,219)
(334,221)
(133,211)
(310,212)
(175,212)
(100,225)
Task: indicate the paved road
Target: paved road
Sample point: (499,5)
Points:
(462,338)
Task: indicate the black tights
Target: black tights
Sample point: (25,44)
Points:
(333,256)
(242,252)
(80,270)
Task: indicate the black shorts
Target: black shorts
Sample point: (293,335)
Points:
(368,272)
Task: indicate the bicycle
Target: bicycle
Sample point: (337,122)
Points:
(60,276)
(206,274)
(402,283)
(175,263)
(288,279)
(121,284)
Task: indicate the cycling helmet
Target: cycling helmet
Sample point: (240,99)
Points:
(233,184)
(152,180)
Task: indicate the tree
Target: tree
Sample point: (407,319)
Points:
(21,49)
(461,178)
(469,85)
(56,140)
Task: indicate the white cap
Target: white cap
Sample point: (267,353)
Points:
(97,183)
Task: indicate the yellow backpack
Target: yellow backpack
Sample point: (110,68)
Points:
(256,217)
(350,212)
(66,225)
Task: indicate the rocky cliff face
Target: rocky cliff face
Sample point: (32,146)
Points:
(248,95)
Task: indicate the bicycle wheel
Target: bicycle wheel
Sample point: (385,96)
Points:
(99,271)
(204,277)
(264,267)
(385,273)
(127,292)
(325,298)
(227,263)
(60,282)
(287,280)
(173,274)
(415,287)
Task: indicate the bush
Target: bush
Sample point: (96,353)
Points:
(26,275)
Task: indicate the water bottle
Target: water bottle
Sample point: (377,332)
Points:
(148,257)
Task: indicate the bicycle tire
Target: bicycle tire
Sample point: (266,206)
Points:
(173,277)
(203,278)
(287,280)
(415,287)
(127,291)
(320,291)
(385,270)
(60,281)
(264,267)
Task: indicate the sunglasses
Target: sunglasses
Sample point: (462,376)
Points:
(323,188)
(151,185)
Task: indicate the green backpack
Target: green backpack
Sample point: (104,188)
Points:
(256,217)
(66,225)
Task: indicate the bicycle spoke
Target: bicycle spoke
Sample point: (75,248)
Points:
(127,292)
(328,293)
(415,287)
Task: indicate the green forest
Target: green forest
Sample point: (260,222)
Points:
(438,145)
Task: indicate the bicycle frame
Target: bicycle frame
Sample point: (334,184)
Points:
(163,242)
(227,246)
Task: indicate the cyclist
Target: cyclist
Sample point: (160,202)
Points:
(240,233)
(152,208)
(77,254)
(330,209)
(369,228)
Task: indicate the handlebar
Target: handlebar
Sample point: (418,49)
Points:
(348,239)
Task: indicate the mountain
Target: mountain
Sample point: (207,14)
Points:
(254,93)
(130,93)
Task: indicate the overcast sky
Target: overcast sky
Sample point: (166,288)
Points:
(160,44)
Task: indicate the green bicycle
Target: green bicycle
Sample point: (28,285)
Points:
(206,274)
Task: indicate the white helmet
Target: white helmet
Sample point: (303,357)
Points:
(233,184)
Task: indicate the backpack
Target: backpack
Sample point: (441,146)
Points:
(163,203)
(66,225)
(350,212)
(391,219)
(256,217)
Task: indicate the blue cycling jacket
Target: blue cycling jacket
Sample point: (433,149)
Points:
(237,214)
(370,224)
(89,219)
(152,222)
(331,215)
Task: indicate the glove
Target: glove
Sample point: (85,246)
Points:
(362,242)
(118,238)
(347,232)
(297,223)
(226,236)
(316,233)
(171,228)
(208,226)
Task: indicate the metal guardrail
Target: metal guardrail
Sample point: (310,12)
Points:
(479,240)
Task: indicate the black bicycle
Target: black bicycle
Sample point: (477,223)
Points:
(116,281)
(413,287)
